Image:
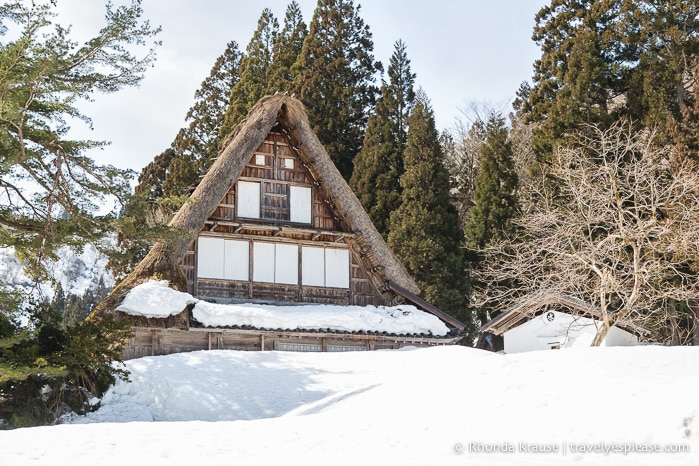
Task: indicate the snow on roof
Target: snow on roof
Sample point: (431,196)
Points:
(156,299)
(399,320)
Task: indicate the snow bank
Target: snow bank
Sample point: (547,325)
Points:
(447,406)
(399,320)
(155,299)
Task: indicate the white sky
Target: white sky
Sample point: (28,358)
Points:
(462,52)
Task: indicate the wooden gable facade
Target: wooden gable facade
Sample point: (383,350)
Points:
(274,238)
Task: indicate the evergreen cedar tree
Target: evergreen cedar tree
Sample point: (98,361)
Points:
(425,233)
(254,71)
(335,79)
(603,61)
(379,165)
(495,196)
(287,50)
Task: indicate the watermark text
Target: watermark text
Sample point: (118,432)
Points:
(564,448)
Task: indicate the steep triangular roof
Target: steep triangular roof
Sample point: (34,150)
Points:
(287,114)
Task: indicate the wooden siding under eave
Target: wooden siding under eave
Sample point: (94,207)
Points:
(159,341)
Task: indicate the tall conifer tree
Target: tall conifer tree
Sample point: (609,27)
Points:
(578,73)
(336,75)
(666,40)
(496,184)
(379,165)
(603,61)
(254,72)
(424,232)
(287,50)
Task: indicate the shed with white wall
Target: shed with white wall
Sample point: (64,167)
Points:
(545,320)
(555,330)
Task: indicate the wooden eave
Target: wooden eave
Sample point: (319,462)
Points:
(329,333)
(422,304)
(279,230)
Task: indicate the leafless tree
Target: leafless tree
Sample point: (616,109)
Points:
(621,231)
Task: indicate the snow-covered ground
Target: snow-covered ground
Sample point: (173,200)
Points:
(447,405)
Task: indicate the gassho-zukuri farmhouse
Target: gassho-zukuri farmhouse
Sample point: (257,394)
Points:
(278,254)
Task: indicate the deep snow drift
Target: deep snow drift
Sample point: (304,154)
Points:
(449,405)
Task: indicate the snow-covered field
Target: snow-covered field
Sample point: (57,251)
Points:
(448,405)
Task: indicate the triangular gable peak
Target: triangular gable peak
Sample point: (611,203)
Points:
(274,237)
(277,194)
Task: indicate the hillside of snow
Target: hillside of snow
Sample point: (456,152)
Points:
(76,271)
(447,406)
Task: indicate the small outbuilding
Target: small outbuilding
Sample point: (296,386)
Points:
(545,320)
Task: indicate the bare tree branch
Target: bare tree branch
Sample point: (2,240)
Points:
(621,233)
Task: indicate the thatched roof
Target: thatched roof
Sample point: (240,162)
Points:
(535,303)
(288,114)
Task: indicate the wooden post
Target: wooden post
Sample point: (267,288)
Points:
(251,267)
(324,344)
(262,342)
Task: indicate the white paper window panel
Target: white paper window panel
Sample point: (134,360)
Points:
(288,163)
(237,260)
(337,268)
(210,258)
(263,262)
(260,159)
(248,199)
(300,204)
(286,264)
(313,266)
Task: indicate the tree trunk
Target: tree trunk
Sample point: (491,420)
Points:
(601,332)
(674,324)
(694,306)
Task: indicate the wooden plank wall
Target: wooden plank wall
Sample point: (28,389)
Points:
(156,342)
